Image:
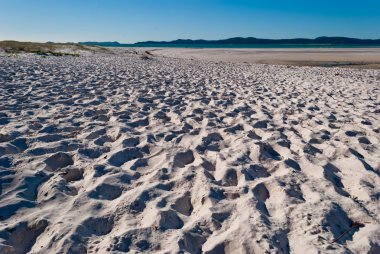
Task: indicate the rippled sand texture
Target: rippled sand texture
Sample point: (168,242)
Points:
(118,153)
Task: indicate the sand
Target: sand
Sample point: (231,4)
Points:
(358,58)
(145,154)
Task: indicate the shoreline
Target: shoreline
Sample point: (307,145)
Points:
(363,58)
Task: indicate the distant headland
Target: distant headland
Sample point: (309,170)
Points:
(319,41)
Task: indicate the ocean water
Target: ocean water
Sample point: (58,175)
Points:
(258,46)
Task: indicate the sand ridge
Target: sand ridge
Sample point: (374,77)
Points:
(137,153)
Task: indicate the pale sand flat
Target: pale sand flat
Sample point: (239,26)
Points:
(359,58)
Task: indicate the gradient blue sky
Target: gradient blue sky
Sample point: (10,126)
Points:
(139,20)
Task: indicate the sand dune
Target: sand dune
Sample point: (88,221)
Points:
(142,154)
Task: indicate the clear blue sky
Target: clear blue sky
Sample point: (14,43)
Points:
(139,20)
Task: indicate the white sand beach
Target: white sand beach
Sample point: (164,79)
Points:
(358,58)
(136,153)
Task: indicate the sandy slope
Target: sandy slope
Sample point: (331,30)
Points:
(118,153)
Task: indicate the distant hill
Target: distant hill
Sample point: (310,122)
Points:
(257,41)
(334,41)
(103,44)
